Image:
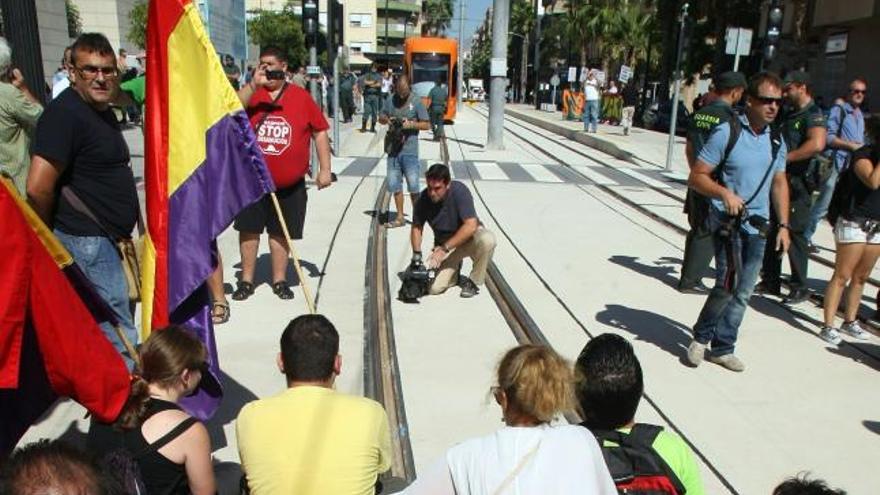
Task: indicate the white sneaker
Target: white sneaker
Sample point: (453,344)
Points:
(830,335)
(855,330)
(696,352)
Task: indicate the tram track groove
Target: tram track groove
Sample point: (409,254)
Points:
(539,337)
(815,298)
(382,381)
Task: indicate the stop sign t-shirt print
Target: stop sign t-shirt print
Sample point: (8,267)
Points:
(275,135)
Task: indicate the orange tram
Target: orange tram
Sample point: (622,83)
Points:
(427,59)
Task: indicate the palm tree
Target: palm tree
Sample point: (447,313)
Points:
(522,20)
(436,16)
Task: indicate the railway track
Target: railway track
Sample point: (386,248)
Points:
(381,368)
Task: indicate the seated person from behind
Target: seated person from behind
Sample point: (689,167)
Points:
(311,439)
(448,207)
(609,386)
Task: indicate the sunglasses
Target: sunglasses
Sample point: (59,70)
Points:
(768,100)
(91,72)
(858,91)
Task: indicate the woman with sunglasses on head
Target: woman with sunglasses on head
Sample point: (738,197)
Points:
(528,454)
(857,237)
(171,448)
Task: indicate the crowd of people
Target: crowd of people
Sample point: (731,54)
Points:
(752,180)
(71,161)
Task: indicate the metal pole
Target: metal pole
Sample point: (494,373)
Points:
(337,146)
(460,81)
(537,60)
(498,73)
(386,33)
(20,22)
(736,57)
(676,89)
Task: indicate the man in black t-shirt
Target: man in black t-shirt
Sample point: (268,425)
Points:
(79,146)
(699,248)
(448,208)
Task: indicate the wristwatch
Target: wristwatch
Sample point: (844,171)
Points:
(446,248)
(784,226)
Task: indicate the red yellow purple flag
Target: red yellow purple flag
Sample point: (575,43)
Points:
(202,167)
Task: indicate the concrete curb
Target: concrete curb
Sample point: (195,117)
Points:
(578,136)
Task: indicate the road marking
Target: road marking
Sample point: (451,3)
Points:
(381,169)
(490,171)
(540,173)
(595,176)
(340,163)
(635,174)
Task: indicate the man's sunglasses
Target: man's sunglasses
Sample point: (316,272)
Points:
(858,91)
(91,72)
(768,100)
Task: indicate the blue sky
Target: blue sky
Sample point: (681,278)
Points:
(474,12)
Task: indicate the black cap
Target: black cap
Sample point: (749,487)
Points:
(798,77)
(730,80)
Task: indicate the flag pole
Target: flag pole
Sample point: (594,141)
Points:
(128,345)
(293,257)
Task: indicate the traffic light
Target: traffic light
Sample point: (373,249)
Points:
(310,21)
(774,30)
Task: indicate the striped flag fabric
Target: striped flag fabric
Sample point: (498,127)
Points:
(202,167)
(50,343)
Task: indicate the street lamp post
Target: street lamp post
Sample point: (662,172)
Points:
(386,31)
(519,66)
(676,87)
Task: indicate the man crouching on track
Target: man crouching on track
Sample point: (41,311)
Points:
(448,207)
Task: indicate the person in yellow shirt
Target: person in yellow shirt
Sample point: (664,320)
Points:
(311,439)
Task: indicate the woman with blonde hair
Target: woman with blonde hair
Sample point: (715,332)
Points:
(529,454)
(171,449)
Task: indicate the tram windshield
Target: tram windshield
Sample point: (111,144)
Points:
(426,68)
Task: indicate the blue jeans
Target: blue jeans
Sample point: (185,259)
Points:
(820,207)
(591,115)
(403,165)
(98,259)
(723,311)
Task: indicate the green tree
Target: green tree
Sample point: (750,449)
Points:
(137,24)
(436,16)
(522,22)
(282,29)
(74,22)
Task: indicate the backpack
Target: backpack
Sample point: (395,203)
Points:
(635,466)
(122,464)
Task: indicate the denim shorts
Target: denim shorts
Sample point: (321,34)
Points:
(849,232)
(403,165)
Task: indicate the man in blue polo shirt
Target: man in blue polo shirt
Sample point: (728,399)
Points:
(846,133)
(740,189)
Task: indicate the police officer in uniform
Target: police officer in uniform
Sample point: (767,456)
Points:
(803,127)
(372,90)
(346,94)
(699,249)
(438,96)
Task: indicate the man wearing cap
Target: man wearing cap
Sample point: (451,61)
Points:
(802,126)
(698,250)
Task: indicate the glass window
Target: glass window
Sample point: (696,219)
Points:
(426,69)
(360,20)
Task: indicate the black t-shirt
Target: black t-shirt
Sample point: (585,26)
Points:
(446,216)
(90,146)
(866,201)
(795,124)
(706,119)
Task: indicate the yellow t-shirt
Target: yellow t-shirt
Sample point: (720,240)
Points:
(313,440)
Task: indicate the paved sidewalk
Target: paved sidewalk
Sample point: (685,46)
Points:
(641,146)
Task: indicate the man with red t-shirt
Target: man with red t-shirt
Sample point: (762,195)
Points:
(285,120)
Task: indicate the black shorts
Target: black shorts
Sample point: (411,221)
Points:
(261,216)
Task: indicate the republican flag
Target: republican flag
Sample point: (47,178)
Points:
(50,343)
(203,166)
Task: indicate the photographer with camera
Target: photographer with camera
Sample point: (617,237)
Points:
(755,160)
(448,207)
(285,121)
(405,115)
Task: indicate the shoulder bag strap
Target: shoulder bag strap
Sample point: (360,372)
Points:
(79,206)
(268,112)
(775,146)
(644,435)
(732,138)
(519,467)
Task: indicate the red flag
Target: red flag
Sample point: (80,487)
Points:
(50,344)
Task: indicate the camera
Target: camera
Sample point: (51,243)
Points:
(417,279)
(869,227)
(394,138)
(761,224)
(274,75)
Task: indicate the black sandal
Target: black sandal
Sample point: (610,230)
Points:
(282,290)
(243,291)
